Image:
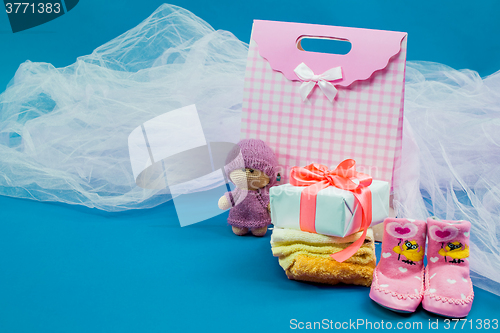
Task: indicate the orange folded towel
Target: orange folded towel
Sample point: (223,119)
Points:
(306,256)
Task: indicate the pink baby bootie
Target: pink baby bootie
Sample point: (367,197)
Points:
(399,276)
(448,287)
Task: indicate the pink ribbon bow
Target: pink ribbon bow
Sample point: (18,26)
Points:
(317,177)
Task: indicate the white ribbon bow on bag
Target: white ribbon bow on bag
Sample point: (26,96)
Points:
(310,80)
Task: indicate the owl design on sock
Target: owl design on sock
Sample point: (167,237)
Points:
(453,249)
(410,249)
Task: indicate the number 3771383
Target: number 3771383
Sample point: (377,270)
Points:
(27,7)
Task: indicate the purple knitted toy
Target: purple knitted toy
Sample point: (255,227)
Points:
(250,199)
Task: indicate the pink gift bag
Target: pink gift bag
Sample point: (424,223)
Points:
(324,108)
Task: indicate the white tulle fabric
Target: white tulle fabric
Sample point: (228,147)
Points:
(63,131)
(451,157)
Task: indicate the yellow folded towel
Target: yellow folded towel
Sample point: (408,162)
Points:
(306,256)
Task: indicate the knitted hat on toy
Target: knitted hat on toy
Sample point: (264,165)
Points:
(255,154)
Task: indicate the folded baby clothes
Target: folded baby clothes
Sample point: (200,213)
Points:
(306,256)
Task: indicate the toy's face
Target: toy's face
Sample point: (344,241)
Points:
(251,179)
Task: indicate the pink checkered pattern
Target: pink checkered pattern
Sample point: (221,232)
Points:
(364,122)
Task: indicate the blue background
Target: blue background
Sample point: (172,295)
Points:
(73,269)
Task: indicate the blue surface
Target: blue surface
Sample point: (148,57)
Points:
(72,269)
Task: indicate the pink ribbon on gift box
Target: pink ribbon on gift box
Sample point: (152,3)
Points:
(317,177)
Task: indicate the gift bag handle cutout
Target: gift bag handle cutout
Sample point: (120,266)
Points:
(338,44)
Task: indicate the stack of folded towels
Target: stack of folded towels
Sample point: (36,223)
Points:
(306,256)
